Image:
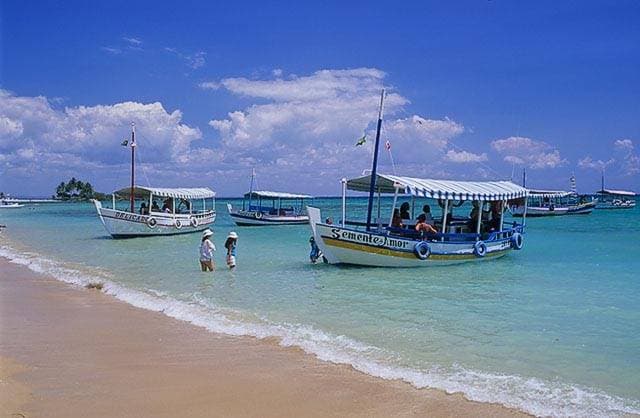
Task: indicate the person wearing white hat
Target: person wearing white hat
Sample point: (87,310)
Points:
(230,244)
(206,251)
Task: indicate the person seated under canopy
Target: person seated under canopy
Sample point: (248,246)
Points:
(404,211)
(423,226)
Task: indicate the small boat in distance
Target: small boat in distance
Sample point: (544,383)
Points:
(183,210)
(541,203)
(615,199)
(395,241)
(262,207)
(9,205)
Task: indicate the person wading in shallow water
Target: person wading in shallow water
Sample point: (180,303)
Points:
(206,251)
(230,245)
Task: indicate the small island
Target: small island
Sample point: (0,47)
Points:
(77,190)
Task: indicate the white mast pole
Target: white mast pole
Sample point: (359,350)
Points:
(344,201)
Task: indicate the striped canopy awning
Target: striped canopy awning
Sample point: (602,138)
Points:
(616,192)
(276,195)
(440,189)
(549,193)
(193,193)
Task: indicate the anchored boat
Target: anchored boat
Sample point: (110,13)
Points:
(554,202)
(393,242)
(261,207)
(615,199)
(182,211)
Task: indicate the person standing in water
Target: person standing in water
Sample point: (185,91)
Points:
(207,248)
(230,245)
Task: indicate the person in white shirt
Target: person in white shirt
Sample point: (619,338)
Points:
(206,251)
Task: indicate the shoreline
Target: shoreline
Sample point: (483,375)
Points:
(77,352)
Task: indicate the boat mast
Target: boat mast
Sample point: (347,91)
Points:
(524,177)
(602,180)
(372,183)
(253,176)
(133,163)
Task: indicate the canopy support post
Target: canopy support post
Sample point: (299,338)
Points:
(393,207)
(113,201)
(479,220)
(344,200)
(504,205)
(150,202)
(173,206)
(524,214)
(413,204)
(444,218)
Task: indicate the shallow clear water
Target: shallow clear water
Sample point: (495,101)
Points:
(553,329)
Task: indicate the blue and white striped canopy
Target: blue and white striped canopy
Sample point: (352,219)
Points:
(182,193)
(441,189)
(549,193)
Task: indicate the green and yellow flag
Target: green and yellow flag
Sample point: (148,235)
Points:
(362,140)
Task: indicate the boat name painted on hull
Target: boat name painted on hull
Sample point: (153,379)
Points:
(130,217)
(371,239)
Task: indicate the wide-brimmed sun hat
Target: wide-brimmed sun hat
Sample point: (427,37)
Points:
(207,233)
(232,235)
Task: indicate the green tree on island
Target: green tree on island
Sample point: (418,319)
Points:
(76,190)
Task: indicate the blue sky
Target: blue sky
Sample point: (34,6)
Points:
(477,89)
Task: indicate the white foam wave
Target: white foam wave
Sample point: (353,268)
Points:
(532,395)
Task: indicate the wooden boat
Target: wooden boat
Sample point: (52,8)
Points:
(614,199)
(261,207)
(184,210)
(379,243)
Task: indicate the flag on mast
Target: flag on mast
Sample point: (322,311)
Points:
(362,140)
(125,143)
(387,145)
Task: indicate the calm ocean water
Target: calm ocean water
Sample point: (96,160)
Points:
(552,330)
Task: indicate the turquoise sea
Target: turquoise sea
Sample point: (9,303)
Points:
(553,330)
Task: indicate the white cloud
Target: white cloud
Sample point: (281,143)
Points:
(527,151)
(465,157)
(193,61)
(626,155)
(625,160)
(589,163)
(315,121)
(36,136)
(112,50)
(132,41)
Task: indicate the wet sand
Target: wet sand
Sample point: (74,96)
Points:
(74,352)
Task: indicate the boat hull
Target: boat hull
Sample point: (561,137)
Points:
(537,211)
(121,224)
(623,205)
(582,209)
(342,245)
(11,206)
(246,218)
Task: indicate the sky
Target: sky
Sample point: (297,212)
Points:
(476,90)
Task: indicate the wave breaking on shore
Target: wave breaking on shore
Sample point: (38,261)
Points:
(531,395)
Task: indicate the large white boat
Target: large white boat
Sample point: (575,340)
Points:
(262,207)
(183,210)
(391,243)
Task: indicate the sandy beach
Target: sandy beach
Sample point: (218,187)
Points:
(74,352)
